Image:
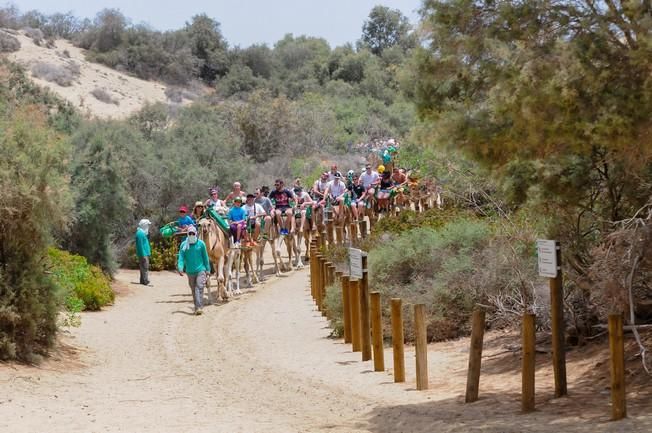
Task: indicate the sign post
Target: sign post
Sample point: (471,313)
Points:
(549,258)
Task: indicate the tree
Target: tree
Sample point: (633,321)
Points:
(563,84)
(208,45)
(110,26)
(386,28)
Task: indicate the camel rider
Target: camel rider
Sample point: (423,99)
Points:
(193,260)
(399,178)
(238,220)
(237,192)
(370,179)
(184,221)
(304,202)
(319,188)
(358,196)
(385,190)
(281,196)
(336,191)
(213,201)
(198,211)
(254,213)
(264,201)
(333,172)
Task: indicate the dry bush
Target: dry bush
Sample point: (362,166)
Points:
(35,35)
(62,75)
(178,94)
(8,43)
(104,96)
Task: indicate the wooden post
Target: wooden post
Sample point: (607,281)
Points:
(324,281)
(354,302)
(421,346)
(318,260)
(329,275)
(329,232)
(363,228)
(558,328)
(398,340)
(475,356)
(529,341)
(353,233)
(312,272)
(365,319)
(377,332)
(339,233)
(346,308)
(617,350)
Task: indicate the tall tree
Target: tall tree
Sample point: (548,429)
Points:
(386,28)
(208,45)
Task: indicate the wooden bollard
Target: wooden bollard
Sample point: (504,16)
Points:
(617,351)
(558,329)
(365,319)
(354,302)
(363,228)
(346,308)
(324,282)
(377,332)
(318,259)
(339,233)
(529,341)
(475,356)
(329,275)
(421,346)
(312,272)
(398,340)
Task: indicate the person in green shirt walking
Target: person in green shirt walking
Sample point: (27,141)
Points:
(143,250)
(193,260)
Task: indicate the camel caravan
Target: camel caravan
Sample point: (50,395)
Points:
(237,230)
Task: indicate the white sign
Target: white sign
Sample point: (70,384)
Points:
(355,263)
(547,253)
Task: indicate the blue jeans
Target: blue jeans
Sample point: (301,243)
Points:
(197,282)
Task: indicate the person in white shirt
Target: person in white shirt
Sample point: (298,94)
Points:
(214,202)
(319,188)
(370,178)
(336,190)
(254,212)
(333,173)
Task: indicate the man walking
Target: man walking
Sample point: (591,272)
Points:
(143,250)
(193,259)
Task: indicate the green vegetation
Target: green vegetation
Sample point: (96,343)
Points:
(81,286)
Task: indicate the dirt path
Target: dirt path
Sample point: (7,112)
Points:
(263,363)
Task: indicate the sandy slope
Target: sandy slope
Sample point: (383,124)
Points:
(131,93)
(264,363)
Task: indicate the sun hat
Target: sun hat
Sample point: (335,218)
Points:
(199,203)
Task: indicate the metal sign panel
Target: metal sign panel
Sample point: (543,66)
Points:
(547,258)
(355,263)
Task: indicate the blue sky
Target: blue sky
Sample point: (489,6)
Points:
(243,22)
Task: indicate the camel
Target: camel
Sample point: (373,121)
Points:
(216,245)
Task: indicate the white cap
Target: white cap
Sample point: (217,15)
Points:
(144,223)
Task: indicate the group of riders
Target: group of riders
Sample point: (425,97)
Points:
(289,209)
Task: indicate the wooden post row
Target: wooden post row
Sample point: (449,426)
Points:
(529,341)
(475,356)
(398,340)
(617,358)
(421,346)
(377,331)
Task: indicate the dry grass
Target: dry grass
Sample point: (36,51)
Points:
(8,43)
(63,75)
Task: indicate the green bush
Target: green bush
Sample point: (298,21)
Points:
(79,281)
(334,311)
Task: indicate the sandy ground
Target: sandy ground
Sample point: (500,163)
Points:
(129,92)
(264,363)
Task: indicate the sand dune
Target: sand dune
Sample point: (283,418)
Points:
(126,94)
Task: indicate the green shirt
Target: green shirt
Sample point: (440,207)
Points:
(193,258)
(142,244)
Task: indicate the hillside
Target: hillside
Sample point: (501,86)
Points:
(92,88)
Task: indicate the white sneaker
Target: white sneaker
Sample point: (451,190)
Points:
(199,312)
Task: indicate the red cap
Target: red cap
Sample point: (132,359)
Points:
(183,209)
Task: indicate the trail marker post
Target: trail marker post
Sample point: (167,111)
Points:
(549,260)
(398,340)
(617,359)
(475,356)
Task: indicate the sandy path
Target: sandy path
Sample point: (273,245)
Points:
(262,363)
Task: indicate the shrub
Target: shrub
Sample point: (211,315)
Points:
(334,309)
(35,203)
(79,281)
(8,43)
(35,35)
(62,75)
(104,96)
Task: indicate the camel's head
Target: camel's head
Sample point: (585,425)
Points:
(204,228)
